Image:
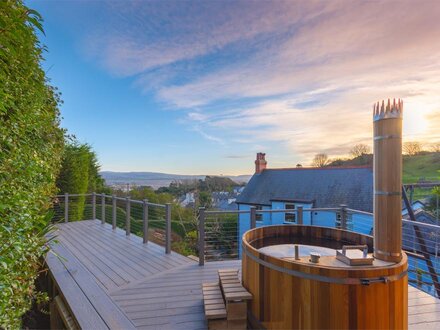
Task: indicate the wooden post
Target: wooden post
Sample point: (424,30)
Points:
(343,216)
(94,206)
(103,208)
(113,212)
(387,122)
(127,217)
(66,207)
(145,220)
(201,236)
(168,228)
(300,214)
(253,217)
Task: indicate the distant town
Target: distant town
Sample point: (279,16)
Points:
(122,180)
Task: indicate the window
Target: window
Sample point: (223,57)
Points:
(258,216)
(290,216)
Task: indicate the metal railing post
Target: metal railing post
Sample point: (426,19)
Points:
(300,214)
(113,212)
(343,216)
(66,207)
(103,208)
(168,228)
(253,216)
(201,236)
(127,217)
(94,206)
(145,220)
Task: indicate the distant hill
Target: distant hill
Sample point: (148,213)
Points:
(423,167)
(156,180)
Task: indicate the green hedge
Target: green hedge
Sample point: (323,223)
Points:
(31,143)
(79,174)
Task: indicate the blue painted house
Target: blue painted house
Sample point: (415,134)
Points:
(324,187)
(290,188)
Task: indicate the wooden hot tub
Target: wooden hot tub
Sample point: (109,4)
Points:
(291,294)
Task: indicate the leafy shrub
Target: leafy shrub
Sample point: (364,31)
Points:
(30,146)
(74,177)
(187,246)
(79,174)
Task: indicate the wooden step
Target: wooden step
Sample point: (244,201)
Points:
(213,301)
(231,286)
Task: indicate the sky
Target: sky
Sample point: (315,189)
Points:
(199,87)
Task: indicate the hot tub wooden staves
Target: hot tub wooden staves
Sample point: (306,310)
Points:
(297,294)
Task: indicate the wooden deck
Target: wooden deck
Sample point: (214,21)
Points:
(142,286)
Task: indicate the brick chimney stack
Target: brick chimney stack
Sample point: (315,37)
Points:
(260,163)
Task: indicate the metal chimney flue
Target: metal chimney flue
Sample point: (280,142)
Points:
(387,122)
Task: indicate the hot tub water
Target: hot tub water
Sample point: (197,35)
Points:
(288,250)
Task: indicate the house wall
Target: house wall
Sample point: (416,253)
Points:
(279,218)
(323,218)
(363,223)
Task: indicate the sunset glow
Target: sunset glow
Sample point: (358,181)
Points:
(200,87)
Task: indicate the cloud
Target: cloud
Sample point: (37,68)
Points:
(143,35)
(340,50)
(300,74)
(208,136)
(305,132)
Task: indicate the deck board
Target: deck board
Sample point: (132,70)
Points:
(159,291)
(131,270)
(91,305)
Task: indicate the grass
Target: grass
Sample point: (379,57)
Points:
(425,167)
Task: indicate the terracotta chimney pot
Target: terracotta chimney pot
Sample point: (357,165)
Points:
(260,163)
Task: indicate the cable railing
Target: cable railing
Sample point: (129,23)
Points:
(220,233)
(134,216)
(215,235)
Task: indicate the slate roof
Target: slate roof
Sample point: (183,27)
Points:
(327,187)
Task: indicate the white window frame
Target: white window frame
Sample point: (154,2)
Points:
(258,216)
(292,215)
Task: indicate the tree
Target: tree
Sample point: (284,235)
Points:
(433,204)
(79,175)
(217,183)
(96,181)
(359,150)
(74,177)
(31,143)
(337,162)
(205,199)
(320,160)
(435,147)
(412,148)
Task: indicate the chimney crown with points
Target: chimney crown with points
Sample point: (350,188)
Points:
(260,163)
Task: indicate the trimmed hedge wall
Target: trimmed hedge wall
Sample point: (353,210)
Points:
(31,144)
